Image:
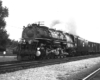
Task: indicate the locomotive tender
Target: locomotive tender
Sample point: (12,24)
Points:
(43,42)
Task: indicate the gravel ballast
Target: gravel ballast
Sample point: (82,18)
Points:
(52,72)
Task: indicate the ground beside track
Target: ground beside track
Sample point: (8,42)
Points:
(7,58)
(63,71)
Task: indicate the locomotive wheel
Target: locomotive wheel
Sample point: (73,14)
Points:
(31,57)
(37,57)
(58,57)
(62,56)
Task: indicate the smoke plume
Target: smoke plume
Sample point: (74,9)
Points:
(69,27)
(55,22)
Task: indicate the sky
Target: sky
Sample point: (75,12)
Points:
(79,17)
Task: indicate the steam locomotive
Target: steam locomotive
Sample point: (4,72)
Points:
(40,42)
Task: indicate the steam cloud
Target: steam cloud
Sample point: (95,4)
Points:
(72,27)
(55,23)
(69,27)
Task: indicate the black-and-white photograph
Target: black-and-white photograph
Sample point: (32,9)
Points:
(49,40)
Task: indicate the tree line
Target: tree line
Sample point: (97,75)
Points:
(5,42)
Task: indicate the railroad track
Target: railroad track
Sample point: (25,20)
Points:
(4,68)
(16,66)
(95,75)
(29,64)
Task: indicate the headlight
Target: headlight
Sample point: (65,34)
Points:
(38,48)
(4,52)
(38,53)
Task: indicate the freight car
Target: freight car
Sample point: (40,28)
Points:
(42,42)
